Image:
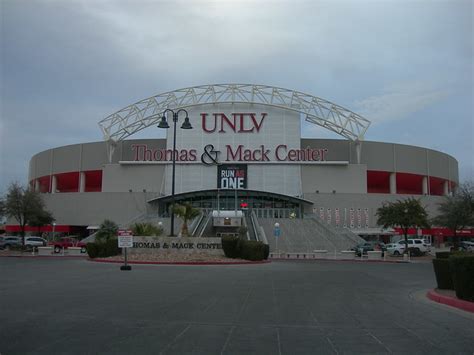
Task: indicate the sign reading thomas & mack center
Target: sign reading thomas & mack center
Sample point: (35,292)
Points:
(186,245)
(232,176)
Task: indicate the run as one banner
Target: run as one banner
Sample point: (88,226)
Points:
(232,176)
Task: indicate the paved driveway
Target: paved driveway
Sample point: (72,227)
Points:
(53,306)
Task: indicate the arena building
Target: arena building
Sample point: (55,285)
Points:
(245,150)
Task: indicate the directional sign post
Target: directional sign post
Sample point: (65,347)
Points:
(125,241)
(276,233)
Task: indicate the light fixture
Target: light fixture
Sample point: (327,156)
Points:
(163,123)
(186,124)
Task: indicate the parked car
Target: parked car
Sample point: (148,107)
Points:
(7,241)
(417,246)
(363,248)
(467,246)
(33,241)
(395,249)
(67,242)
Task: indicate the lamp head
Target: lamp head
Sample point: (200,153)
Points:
(186,124)
(163,123)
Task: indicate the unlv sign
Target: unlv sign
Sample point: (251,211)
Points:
(235,122)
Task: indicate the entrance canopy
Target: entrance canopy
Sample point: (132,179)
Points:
(265,203)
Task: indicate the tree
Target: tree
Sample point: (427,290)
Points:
(107,230)
(403,214)
(186,212)
(2,209)
(24,205)
(457,211)
(43,218)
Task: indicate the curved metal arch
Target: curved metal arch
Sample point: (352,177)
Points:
(147,112)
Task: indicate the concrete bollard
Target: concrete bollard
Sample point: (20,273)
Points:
(320,254)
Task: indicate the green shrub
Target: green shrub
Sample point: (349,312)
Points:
(443,274)
(266,251)
(415,252)
(231,247)
(111,248)
(107,230)
(462,271)
(443,254)
(92,250)
(146,229)
(252,250)
(103,249)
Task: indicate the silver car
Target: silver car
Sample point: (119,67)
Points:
(35,242)
(7,241)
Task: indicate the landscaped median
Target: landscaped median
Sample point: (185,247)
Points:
(178,259)
(455,279)
(183,250)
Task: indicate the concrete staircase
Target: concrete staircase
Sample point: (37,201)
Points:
(307,234)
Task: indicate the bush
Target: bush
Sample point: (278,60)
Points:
(107,230)
(231,246)
(443,274)
(266,251)
(146,229)
(92,250)
(103,249)
(415,252)
(462,271)
(442,254)
(252,250)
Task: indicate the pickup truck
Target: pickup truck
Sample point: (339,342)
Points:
(67,242)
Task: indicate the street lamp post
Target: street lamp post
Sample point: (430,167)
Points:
(54,227)
(164,124)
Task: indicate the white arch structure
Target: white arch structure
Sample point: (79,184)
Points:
(148,112)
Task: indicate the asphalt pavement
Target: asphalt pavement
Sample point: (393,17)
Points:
(67,306)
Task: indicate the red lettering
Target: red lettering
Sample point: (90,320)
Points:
(192,155)
(183,155)
(147,154)
(224,118)
(157,155)
(138,148)
(254,120)
(323,154)
(247,155)
(203,119)
(265,153)
(232,155)
(277,152)
(242,123)
(254,155)
(239,122)
(292,155)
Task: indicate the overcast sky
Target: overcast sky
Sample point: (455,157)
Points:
(405,65)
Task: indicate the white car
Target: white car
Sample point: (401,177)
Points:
(467,246)
(416,244)
(395,249)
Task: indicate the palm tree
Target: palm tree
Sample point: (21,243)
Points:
(146,229)
(186,212)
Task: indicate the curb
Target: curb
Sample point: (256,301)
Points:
(180,262)
(347,260)
(450,301)
(45,256)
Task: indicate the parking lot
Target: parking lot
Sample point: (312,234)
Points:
(54,305)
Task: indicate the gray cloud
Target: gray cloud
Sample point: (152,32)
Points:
(66,65)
